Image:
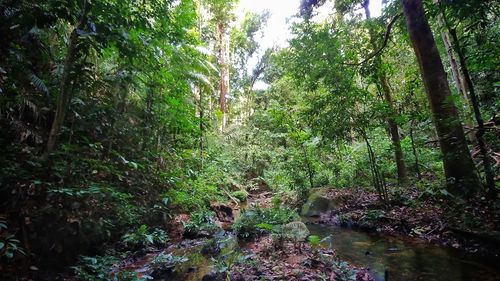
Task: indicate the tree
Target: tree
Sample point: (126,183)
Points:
(67,82)
(383,84)
(244,46)
(222,15)
(458,166)
(464,82)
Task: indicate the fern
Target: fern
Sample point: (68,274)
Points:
(39,84)
(31,106)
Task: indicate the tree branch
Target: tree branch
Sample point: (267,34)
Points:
(384,44)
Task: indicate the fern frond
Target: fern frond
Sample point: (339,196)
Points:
(39,84)
(31,106)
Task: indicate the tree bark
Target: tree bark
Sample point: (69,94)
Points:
(459,169)
(66,85)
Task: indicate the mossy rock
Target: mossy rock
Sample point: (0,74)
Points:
(316,204)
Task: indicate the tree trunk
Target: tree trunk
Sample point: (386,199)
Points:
(488,171)
(458,166)
(459,79)
(202,127)
(65,87)
(391,122)
(414,149)
(223,83)
(393,129)
(458,76)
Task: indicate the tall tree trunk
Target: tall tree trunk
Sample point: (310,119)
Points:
(393,129)
(458,76)
(488,171)
(202,127)
(391,121)
(66,85)
(458,166)
(199,89)
(223,83)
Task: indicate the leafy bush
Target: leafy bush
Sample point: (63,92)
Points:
(240,195)
(254,222)
(143,237)
(290,198)
(106,268)
(201,224)
(8,244)
(103,268)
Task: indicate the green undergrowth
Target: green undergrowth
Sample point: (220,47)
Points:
(201,223)
(257,221)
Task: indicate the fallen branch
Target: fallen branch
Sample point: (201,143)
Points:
(236,201)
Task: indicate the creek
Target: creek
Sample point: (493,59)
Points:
(393,259)
(387,257)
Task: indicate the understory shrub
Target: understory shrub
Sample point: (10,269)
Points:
(107,268)
(142,236)
(103,268)
(256,221)
(240,195)
(202,223)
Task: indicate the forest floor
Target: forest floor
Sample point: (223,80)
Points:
(471,226)
(259,258)
(292,262)
(265,260)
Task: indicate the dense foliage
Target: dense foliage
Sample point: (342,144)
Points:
(118,115)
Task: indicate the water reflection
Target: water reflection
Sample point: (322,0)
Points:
(405,261)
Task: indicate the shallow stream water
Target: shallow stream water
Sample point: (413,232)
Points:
(393,259)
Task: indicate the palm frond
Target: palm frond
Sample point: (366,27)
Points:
(200,78)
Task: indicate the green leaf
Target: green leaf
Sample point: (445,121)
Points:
(265,226)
